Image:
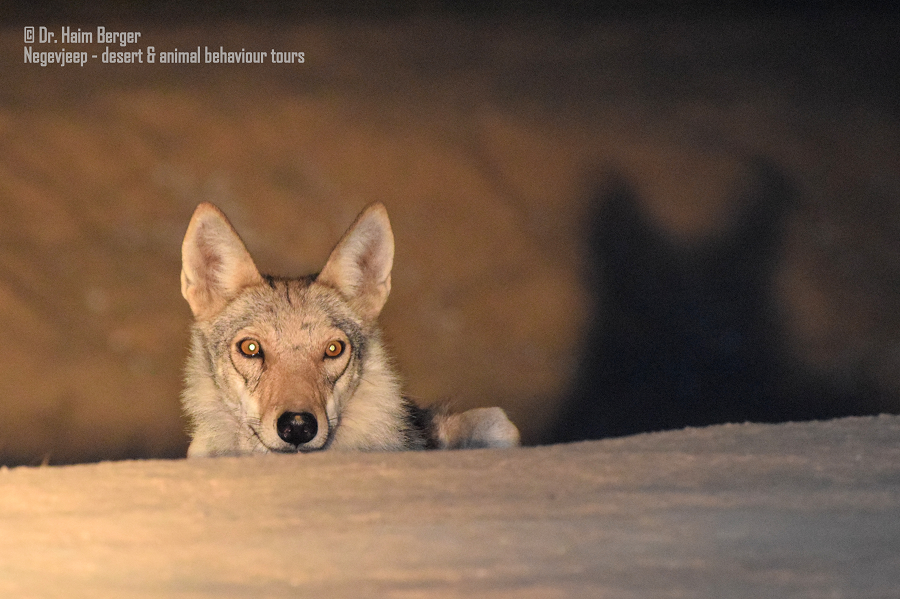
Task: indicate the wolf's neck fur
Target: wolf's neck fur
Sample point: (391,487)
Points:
(374,417)
(213,429)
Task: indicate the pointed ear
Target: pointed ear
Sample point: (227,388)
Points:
(215,265)
(360,265)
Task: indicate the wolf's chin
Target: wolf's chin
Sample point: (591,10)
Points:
(262,447)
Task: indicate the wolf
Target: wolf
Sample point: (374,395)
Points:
(295,365)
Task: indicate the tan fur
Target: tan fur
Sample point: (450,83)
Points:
(475,428)
(236,401)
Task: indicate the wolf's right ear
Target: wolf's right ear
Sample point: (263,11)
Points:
(215,264)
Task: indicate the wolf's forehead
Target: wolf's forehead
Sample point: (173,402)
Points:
(299,305)
(304,318)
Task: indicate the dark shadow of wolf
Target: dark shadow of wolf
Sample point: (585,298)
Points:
(688,334)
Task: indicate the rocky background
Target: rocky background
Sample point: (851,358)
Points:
(604,223)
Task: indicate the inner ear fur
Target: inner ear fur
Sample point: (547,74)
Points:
(359,267)
(215,264)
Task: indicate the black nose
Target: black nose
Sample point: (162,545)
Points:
(297,428)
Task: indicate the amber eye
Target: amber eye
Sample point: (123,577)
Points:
(250,348)
(334,349)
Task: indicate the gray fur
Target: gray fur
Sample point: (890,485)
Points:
(234,400)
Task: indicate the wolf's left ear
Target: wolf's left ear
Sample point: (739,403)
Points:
(215,265)
(360,265)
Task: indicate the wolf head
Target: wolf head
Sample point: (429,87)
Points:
(289,365)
